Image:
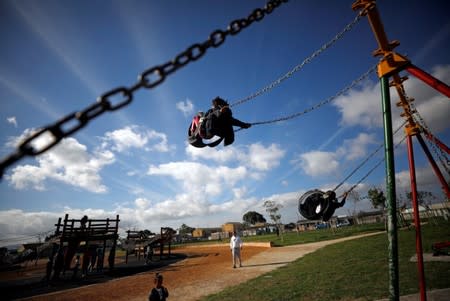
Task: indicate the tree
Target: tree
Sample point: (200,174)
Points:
(377,198)
(185,229)
(253,217)
(423,197)
(273,209)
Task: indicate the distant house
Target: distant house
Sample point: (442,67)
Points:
(428,211)
(231,227)
(204,232)
(371,217)
(305,225)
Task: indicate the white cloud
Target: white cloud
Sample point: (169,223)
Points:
(426,180)
(186,107)
(216,154)
(317,163)
(17,226)
(142,203)
(202,185)
(240,192)
(363,107)
(200,179)
(435,113)
(264,159)
(162,145)
(353,149)
(25,176)
(67,162)
(126,138)
(12,120)
(258,157)
(135,137)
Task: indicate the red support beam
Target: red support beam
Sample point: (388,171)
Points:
(428,79)
(438,173)
(415,205)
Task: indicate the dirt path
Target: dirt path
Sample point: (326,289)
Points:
(206,270)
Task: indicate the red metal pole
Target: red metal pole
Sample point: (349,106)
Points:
(428,79)
(415,205)
(434,165)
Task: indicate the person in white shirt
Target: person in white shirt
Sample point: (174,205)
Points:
(236,247)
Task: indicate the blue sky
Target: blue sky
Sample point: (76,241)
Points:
(57,57)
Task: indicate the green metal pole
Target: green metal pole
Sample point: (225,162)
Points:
(390,191)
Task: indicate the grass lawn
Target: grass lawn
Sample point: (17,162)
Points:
(351,270)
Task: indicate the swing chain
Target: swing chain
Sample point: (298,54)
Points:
(374,167)
(315,54)
(324,102)
(123,96)
(367,159)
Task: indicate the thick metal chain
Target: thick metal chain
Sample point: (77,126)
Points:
(301,65)
(324,102)
(149,79)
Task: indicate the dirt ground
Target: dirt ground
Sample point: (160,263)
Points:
(183,278)
(204,270)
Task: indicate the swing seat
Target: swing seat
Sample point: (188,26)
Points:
(311,204)
(197,131)
(316,204)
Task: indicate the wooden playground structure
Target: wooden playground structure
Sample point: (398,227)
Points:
(144,245)
(88,240)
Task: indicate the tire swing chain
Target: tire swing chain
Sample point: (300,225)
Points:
(320,104)
(315,54)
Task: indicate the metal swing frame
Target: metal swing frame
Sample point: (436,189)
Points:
(390,66)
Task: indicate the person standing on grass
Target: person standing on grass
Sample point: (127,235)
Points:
(159,292)
(236,247)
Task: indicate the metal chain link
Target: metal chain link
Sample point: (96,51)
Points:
(148,79)
(301,65)
(344,90)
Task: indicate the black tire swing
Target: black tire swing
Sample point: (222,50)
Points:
(318,205)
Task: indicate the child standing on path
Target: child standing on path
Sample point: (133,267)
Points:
(159,292)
